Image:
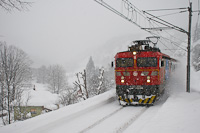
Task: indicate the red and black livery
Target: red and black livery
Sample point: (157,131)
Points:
(141,73)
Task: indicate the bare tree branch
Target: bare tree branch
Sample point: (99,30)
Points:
(19,5)
(15,70)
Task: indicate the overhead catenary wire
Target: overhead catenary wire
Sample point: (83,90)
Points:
(166,39)
(172,36)
(165,31)
(171,13)
(101,2)
(167,9)
(165,23)
(172,42)
(132,11)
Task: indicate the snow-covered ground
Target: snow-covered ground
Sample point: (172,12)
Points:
(177,111)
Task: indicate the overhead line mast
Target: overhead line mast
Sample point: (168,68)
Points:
(188,51)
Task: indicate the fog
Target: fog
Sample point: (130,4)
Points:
(68,32)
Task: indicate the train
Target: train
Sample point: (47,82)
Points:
(141,73)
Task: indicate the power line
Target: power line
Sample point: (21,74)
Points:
(132,11)
(165,23)
(167,9)
(172,13)
(101,2)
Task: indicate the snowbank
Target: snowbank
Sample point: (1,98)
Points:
(179,114)
(48,118)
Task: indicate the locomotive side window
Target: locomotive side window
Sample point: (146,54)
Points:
(162,63)
(147,62)
(124,62)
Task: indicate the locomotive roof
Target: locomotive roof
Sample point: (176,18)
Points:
(143,47)
(158,53)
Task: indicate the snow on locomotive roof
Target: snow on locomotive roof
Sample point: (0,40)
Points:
(143,46)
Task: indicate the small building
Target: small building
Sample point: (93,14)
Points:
(25,112)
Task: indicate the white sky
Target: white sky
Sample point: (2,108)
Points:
(68,32)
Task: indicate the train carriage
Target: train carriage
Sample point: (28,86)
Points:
(141,73)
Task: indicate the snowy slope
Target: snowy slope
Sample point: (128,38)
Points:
(59,115)
(177,111)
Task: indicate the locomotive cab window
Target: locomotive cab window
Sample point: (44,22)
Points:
(124,62)
(147,62)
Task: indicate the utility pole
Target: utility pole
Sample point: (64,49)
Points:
(188,48)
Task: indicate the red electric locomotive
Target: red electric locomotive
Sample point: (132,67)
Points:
(141,73)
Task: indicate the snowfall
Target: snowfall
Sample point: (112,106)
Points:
(176,112)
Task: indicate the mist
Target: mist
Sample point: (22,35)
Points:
(69,32)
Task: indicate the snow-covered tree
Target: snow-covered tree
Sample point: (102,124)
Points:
(81,85)
(42,74)
(196,57)
(196,48)
(57,79)
(196,34)
(98,80)
(68,96)
(15,71)
(91,77)
(101,81)
(104,82)
(90,69)
(109,76)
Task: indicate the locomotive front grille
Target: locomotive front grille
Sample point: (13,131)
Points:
(136,90)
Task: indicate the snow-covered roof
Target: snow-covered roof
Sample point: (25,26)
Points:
(40,97)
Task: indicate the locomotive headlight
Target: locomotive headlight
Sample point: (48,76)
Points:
(134,52)
(148,79)
(122,79)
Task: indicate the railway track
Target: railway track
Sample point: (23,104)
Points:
(101,120)
(105,124)
(131,121)
(120,126)
(89,117)
(107,116)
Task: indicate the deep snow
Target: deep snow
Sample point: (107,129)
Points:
(41,96)
(179,113)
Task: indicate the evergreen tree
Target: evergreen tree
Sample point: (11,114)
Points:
(196,35)
(196,49)
(91,77)
(90,68)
